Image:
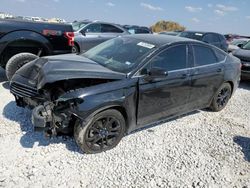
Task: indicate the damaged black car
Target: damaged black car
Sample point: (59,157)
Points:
(124,84)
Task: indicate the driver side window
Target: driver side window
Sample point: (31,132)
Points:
(173,58)
(93,28)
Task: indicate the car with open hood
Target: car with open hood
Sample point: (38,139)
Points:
(122,85)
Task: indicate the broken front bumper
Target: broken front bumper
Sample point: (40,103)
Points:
(42,118)
(52,119)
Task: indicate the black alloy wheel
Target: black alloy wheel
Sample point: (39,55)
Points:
(222,97)
(103,133)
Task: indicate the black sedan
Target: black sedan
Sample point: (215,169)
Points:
(124,84)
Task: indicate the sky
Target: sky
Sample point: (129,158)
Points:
(224,16)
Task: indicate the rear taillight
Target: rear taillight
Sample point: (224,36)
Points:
(70,36)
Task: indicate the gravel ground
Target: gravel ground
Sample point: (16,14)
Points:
(204,149)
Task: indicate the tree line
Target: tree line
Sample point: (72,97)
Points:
(166,26)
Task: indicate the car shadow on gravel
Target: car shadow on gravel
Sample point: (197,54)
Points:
(6,85)
(245,85)
(3,79)
(2,75)
(244,143)
(30,138)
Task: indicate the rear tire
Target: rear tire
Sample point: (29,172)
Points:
(17,61)
(221,97)
(103,132)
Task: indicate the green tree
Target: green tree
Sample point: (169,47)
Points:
(167,26)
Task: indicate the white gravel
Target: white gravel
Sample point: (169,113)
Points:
(204,149)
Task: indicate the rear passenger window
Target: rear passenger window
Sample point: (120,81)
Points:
(220,55)
(222,38)
(211,38)
(208,38)
(171,59)
(204,55)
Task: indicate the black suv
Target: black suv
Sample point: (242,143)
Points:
(215,39)
(23,41)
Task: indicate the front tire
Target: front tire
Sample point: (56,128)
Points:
(103,132)
(75,49)
(16,62)
(221,97)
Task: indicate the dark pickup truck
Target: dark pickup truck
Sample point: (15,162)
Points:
(23,41)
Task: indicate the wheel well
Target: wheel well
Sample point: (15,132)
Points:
(78,47)
(118,108)
(19,47)
(121,110)
(232,85)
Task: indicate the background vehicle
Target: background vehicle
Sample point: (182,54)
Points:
(244,55)
(237,43)
(231,37)
(32,38)
(134,29)
(215,39)
(172,33)
(94,33)
(124,84)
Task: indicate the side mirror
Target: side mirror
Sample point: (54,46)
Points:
(83,32)
(154,73)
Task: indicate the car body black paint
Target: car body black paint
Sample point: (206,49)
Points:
(143,101)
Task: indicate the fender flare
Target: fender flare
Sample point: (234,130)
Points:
(25,35)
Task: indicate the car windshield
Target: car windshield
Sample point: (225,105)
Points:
(78,25)
(247,46)
(237,42)
(191,35)
(121,54)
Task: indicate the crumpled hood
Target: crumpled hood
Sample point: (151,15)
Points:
(242,54)
(65,67)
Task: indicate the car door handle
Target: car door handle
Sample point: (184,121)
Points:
(219,70)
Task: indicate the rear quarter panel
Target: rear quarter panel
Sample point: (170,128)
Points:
(233,71)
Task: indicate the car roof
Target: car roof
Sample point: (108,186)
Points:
(160,40)
(202,32)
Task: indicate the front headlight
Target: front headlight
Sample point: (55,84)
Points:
(31,69)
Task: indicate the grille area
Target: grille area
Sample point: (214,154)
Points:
(22,90)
